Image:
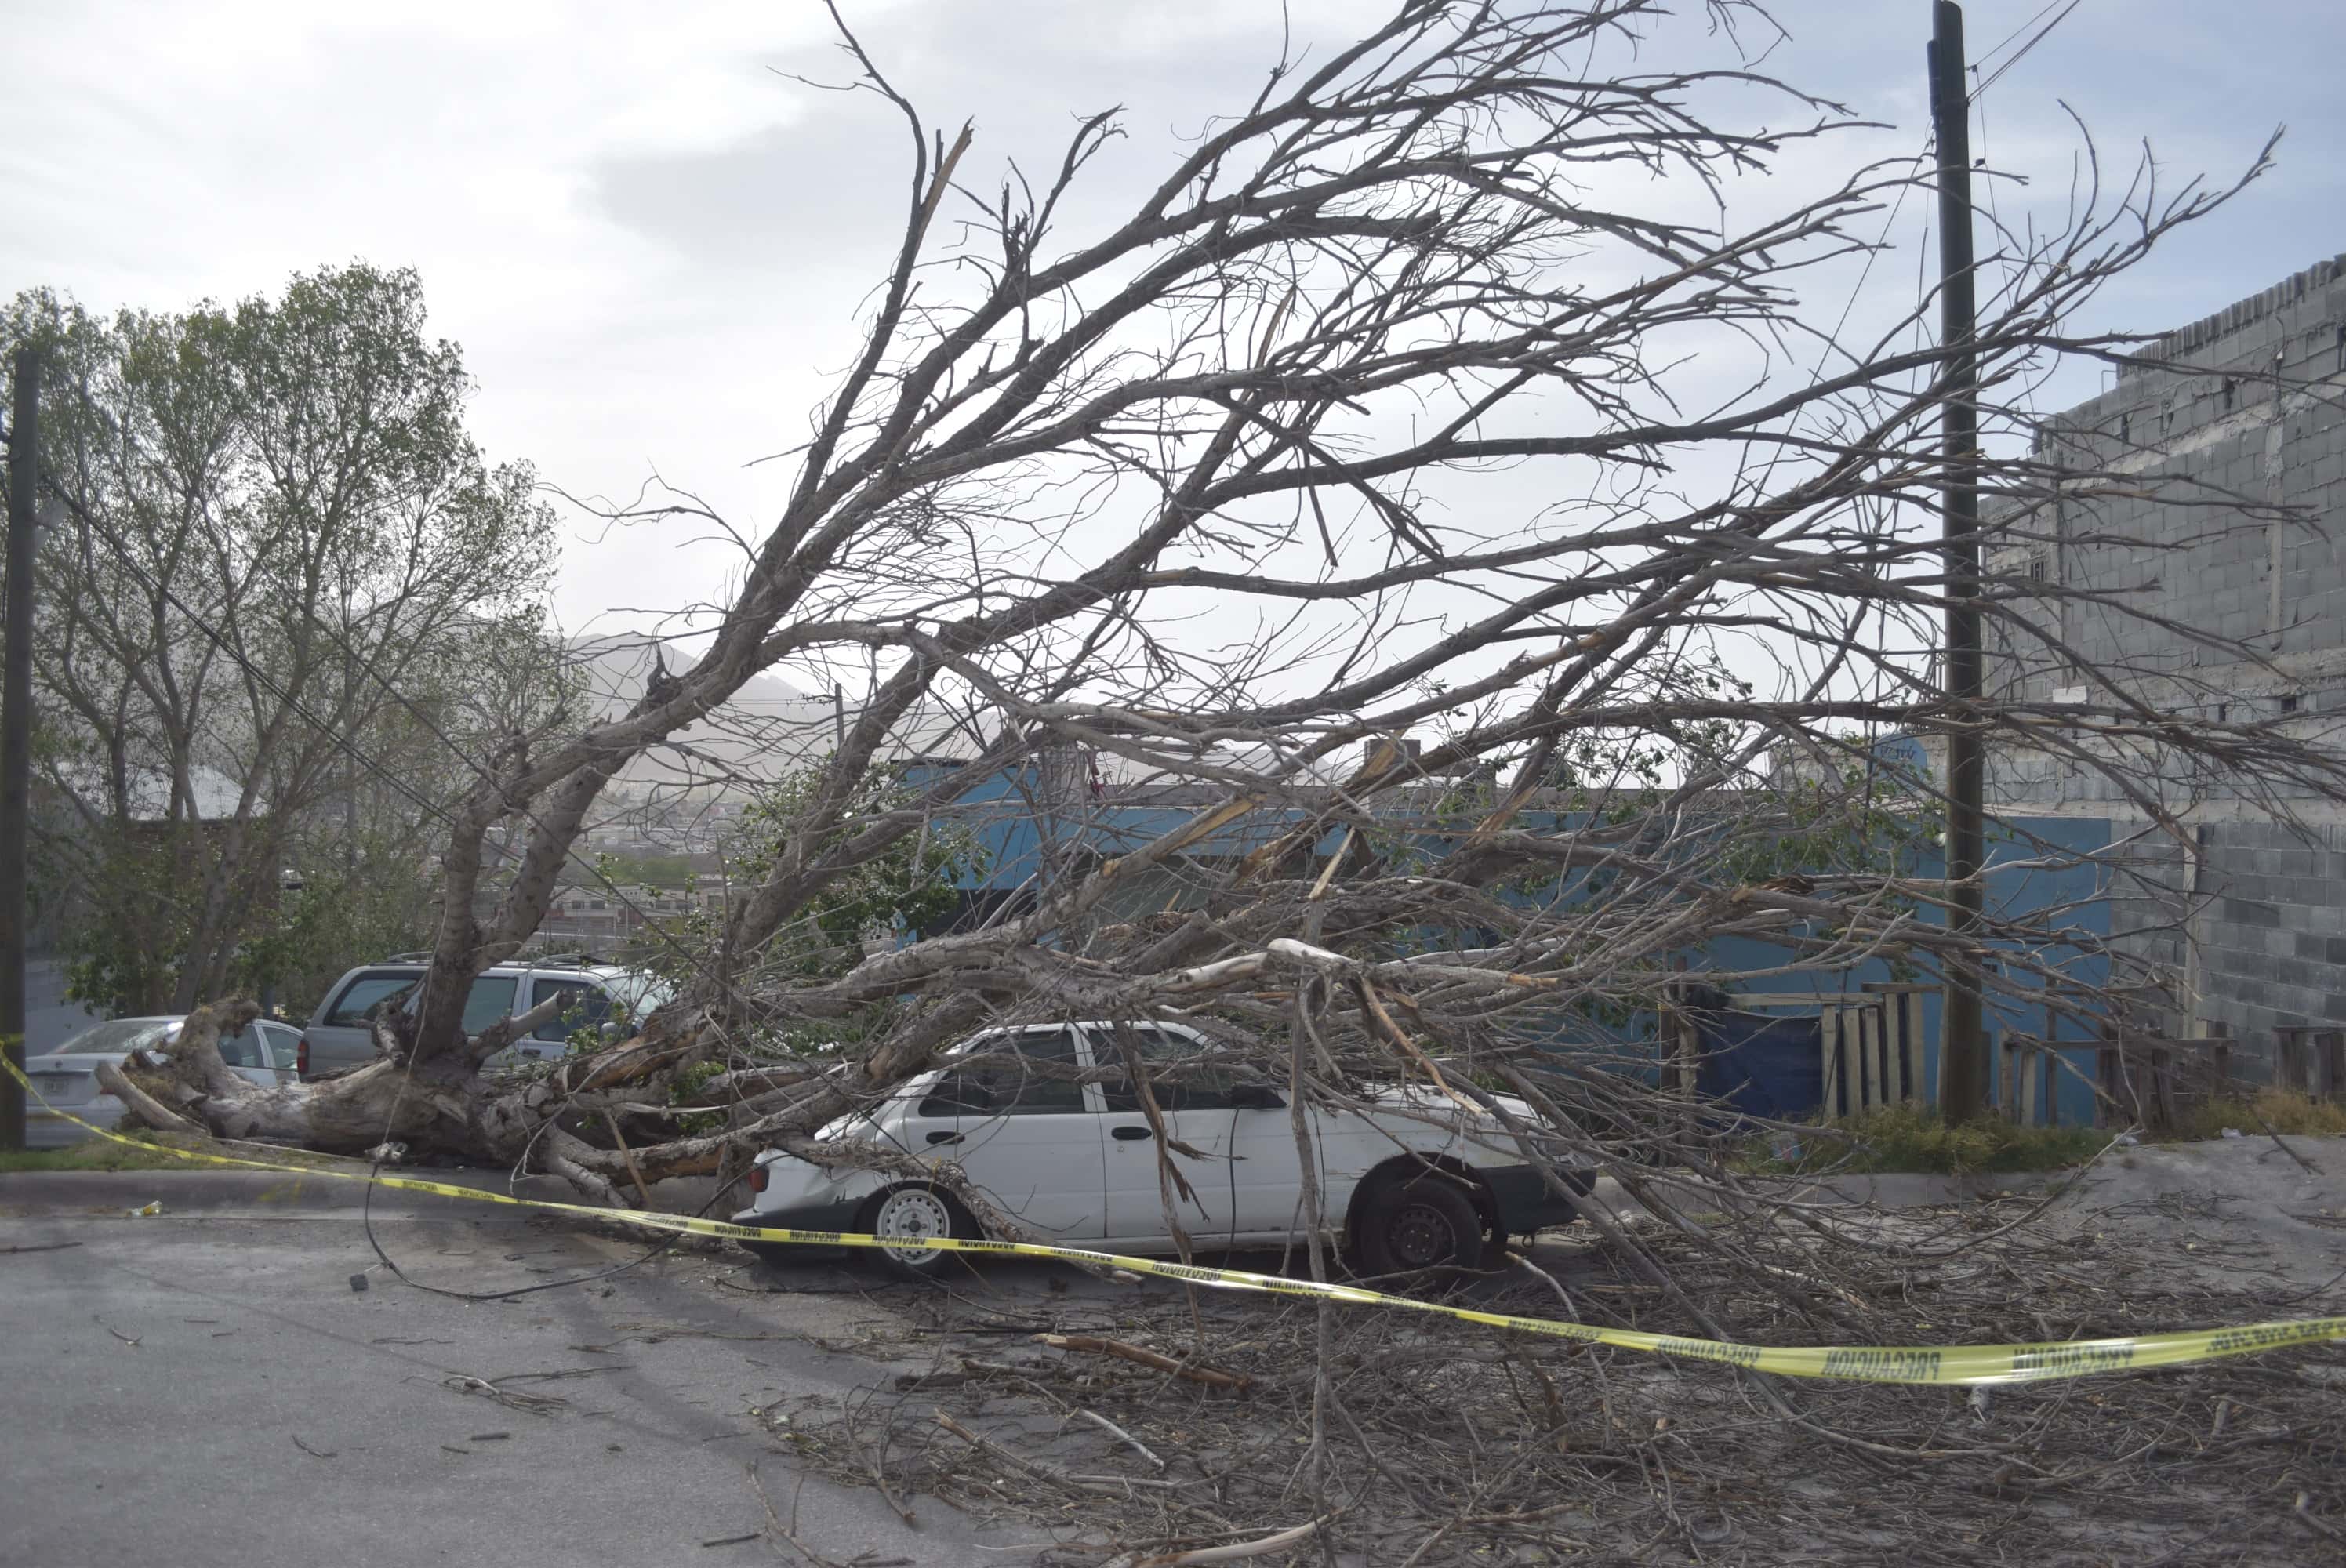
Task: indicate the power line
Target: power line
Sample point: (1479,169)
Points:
(1988,55)
(2025,48)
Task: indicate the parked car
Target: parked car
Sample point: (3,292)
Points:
(340,1035)
(67,1075)
(1416,1181)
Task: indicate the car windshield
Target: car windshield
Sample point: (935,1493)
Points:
(640,994)
(122,1037)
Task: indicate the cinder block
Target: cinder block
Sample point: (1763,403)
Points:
(2250,913)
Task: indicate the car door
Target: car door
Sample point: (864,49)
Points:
(342,1034)
(248,1055)
(1030,1144)
(282,1044)
(584,1006)
(1243,1174)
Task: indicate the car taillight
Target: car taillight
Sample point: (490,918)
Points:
(301,1058)
(757,1178)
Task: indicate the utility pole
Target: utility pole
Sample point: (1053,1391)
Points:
(1963,1043)
(16,733)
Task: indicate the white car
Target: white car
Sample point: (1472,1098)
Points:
(1415,1183)
(67,1075)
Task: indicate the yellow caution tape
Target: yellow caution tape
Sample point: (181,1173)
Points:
(1862,1363)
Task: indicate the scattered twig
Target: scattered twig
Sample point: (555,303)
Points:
(1095,1345)
(1131,1442)
(2279,1141)
(535,1404)
(2304,1513)
(1229,1554)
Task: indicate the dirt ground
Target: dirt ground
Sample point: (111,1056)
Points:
(1446,1443)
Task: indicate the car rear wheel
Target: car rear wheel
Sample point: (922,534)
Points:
(1425,1222)
(908,1216)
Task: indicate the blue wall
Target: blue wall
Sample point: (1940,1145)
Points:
(2070,896)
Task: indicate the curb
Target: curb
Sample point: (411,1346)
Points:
(45,1194)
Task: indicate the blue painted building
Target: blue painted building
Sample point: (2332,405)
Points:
(2045,871)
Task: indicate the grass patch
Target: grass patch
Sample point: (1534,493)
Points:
(2298,1116)
(150,1151)
(97,1155)
(1907,1138)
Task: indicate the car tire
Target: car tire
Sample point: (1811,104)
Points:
(912,1210)
(1419,1223)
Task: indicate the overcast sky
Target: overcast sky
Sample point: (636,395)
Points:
(651,243)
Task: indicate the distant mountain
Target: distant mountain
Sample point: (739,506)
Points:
(769,727)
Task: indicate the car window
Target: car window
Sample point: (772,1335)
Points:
(491,997)
(243,1048)
(1011,1089)
(283,1045)
(123,1035)
(368,997)
(1208,1091)
(586,1008)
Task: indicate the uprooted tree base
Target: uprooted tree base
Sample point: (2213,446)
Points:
(602,1120)
(1444,1442)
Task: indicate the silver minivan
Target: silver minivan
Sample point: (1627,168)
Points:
(340,1035)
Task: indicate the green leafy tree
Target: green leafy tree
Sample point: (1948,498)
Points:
(273,521)
(910,886)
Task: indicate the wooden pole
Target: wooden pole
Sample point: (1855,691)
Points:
(1962,1040)
(16,732)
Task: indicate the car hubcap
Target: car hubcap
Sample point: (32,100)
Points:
(1420,1236)
(913,1215)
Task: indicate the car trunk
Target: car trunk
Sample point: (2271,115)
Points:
(69,1080)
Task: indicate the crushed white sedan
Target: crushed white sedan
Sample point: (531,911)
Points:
(1415,1182)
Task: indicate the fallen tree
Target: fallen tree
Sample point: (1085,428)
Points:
(1468,760)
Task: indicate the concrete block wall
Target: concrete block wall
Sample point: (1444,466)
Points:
(2210,414)
(2272,938)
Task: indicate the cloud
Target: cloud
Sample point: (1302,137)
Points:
(653,247)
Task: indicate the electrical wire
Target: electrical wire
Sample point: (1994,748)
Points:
(366,1220)
(1982,59)
(1998,74)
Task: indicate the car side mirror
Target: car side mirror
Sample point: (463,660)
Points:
(1256,1097)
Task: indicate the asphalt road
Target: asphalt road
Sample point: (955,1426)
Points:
(205,1386)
